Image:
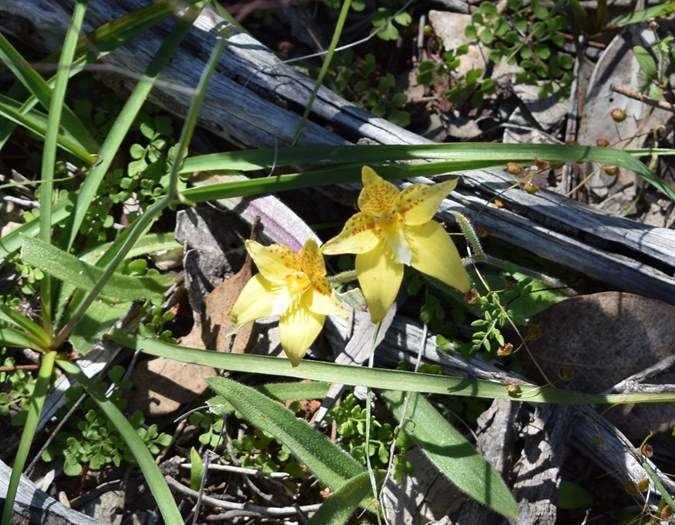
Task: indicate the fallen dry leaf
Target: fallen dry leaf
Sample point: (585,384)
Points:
(218,304)
(600,339)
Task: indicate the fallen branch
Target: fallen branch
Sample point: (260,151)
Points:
(631,93)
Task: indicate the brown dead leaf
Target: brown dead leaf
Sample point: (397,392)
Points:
(593,342)
(163,385)
(218,305)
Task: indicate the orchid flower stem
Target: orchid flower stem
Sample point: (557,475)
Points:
(369,395)
(343,277)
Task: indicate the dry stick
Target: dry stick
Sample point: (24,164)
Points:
(14,368)
(655,369)
(369,399)
(231,505)
(631,93)
(402,420)
(242,470)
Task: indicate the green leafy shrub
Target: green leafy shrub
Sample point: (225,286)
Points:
(350,420)
(529,35)
(363,82)
(16,389)
(90,441)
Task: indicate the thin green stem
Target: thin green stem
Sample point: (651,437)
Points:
(369,401)
(156,209)
(32,417)
(49,152)
(339,26)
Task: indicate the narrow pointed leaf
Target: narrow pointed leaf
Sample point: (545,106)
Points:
(384,379)
(451,453)
(332,465)
(37,123)
(340,505)
(32,80)
(25,324)
(121,126)
(71,270)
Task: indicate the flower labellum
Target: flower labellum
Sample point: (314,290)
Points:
(292,286)
(395,228)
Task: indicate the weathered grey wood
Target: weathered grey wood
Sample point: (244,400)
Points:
(537,471)
(255,99)
(36,506)
(600,441)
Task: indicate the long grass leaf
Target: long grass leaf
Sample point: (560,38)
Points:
(153,211)
(451,453)
(49,150)
(643,15)
(77,273)
(342,503)
(26,324)
(486,153)
(11,242)
(36,122)
(102,41)
(34,408)
(14,338)
(381,378)
(121,127)
(32,80)
(337,32)
(321,177)
(151,473)
(332,465)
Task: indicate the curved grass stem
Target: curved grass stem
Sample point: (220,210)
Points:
(35,405)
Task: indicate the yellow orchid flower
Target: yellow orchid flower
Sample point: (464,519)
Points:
(395,228)
(293,286)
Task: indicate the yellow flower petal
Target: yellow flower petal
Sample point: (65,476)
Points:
(434,253)
(311,260)
(275,262)
(298,328)
(378,196)
(380,278)
(256,300)
(392,231)
(357,236)
(418,203)
(326,303)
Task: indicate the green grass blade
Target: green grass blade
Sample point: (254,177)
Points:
(32,80)
(73,271)
(49,150)
(321,177)
(295,391)
(12,242)
(332,465)
(102,41)
(339,26)
(377,378)
(34,408)
(14,338)
(486,153)
(342,503)
(663,491)
(451,453)
(121,127)
(150,243)
(29,326)
(643,15)
(153,211)
(151,473)
(36,122)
